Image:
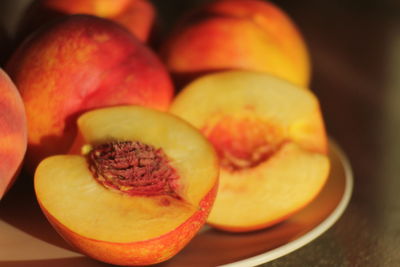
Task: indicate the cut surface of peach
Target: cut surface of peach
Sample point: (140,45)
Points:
(67,190)
(271,141)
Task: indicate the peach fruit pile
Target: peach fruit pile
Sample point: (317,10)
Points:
(134,148)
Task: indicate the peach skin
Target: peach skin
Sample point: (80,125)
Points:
(81,63)
(13,132)
(237,34)
(138,16)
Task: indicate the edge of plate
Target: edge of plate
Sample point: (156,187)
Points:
(315,232)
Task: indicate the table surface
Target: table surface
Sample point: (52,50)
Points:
(355,50)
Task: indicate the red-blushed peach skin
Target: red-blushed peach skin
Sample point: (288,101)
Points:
(78,64)
(137,16)
(146,252)
(13,132)
(101,7)
(237,34)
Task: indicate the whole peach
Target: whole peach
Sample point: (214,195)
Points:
(237,34)
(81,63)
(13,132)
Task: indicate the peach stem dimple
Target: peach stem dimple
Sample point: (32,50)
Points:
(133,168)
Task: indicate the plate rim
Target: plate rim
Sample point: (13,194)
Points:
(315,232)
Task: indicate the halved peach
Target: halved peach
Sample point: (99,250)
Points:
(141,189)
(271,140)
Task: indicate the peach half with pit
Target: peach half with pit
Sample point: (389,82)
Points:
(139,191)
(13,132)
(237,34)
(78,64)
(271,141)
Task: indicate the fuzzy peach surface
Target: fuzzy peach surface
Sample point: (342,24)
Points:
(13,132)
(238,34)
(137,16)
(82,63)
(104,8)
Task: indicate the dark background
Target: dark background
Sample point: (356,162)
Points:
(355,51)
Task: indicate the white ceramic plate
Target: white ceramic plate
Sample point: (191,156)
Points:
(27,239)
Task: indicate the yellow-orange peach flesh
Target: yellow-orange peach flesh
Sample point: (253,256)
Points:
(243,142)
(13,132)
(271,141)
(237,34)
(148,221)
